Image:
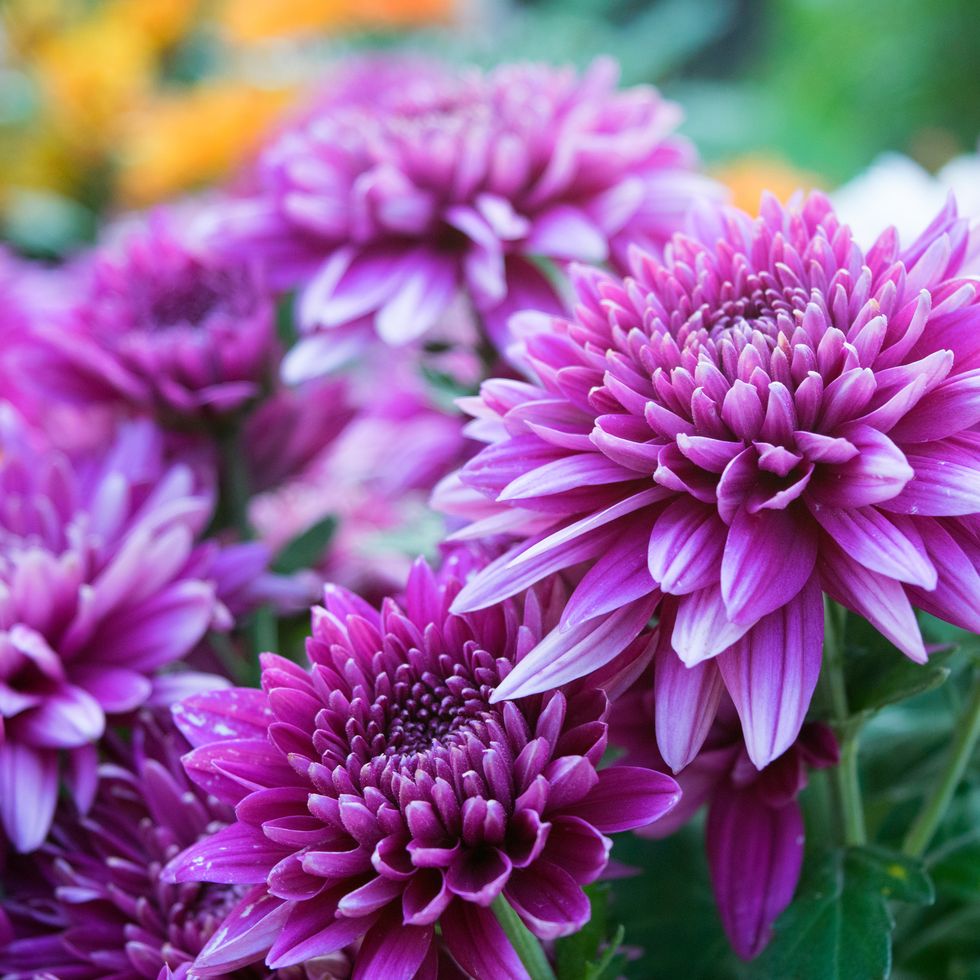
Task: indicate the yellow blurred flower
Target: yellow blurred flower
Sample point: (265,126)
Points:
(248,21)
(91,74)
(161,22)
(747,177)
(181,140)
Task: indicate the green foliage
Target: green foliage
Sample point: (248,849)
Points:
(591,954)
(307,548)
(839,926)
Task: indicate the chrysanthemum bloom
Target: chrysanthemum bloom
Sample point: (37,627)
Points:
(382,793)
(413,180)
(754,831)
(767,415)
(101,584)
(161,331)
(91,903)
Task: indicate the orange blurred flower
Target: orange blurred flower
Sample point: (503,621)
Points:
(249,21)
(180,140)
(747,177)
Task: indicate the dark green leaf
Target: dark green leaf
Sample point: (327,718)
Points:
(577,957)
(669,910)
(307,548)
(878,674)
(839,926)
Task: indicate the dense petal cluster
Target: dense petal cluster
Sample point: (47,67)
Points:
(161,330)
(766,415)
(411,181)
(381,792)
(91,903)
(754,831)
(101,584)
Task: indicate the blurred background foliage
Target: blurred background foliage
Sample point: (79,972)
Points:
(110,104)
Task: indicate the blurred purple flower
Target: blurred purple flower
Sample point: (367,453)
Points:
(91,902)
(101,585)
(381,793)
(374,476)
(159,330)
(767,415)
(411,180)
(754,832)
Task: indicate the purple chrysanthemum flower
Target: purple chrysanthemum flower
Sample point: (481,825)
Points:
(382,793)
(160,330)
(91,903)
(101,584)
(767,415)
(413,180)
(754,831)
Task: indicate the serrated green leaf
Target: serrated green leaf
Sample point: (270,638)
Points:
(306,549)
(839,926)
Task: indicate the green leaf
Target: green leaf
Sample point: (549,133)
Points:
(577,956)
(878,674)
(669,910)
(573,953)
(306,549)
(839,926)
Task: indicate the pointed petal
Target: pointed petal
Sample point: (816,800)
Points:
(769,557)
(772,671)
(686,703)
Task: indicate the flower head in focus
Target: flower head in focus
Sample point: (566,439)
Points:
(381,792)
(411,181)
(767,415)
(101,585)
(754,831)
(161,331)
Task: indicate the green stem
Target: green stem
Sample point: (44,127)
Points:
(846,773)
(261,628)
(235,488)
(525,944)
(934,806)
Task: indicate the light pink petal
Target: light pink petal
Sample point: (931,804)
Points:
(702,628)
(245,934)
(564,655)
(28,793)
(772,671)
(686,702)
(881,600)
(885,543)
(769,557)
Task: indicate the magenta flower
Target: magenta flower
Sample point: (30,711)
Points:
(160,330)
(382,793)
(412,180)
(91,899)
(101,584)
(754,831)
(766,415)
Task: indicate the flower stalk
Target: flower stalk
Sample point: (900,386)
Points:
(934,807)
(846,773)
(524,942)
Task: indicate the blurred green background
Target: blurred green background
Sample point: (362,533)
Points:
(109,104)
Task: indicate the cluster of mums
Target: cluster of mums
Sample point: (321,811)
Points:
(694,427)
